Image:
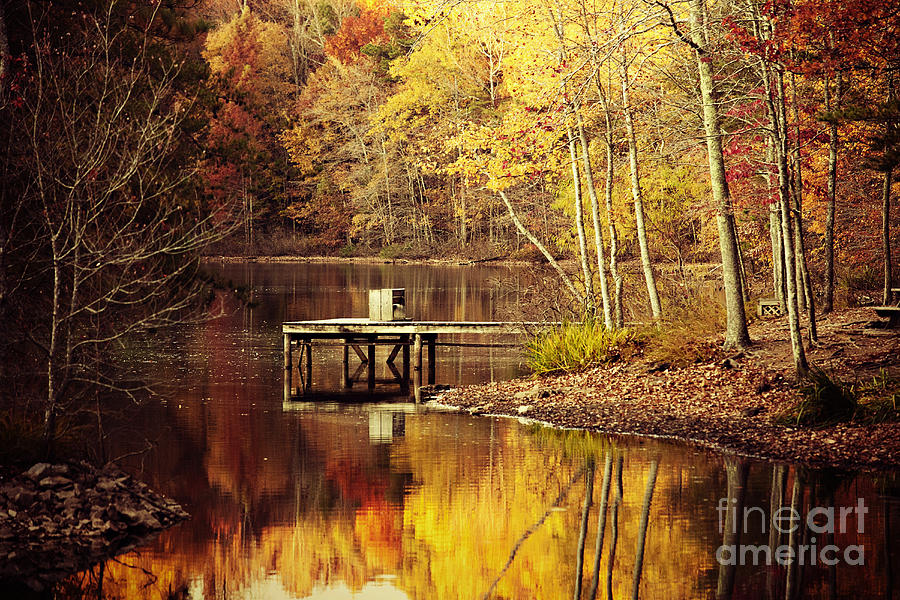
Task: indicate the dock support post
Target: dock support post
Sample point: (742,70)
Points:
(404,379)
(287,366)
(346,364)
(417,366)
(432,339)
(308,383)
(371,365)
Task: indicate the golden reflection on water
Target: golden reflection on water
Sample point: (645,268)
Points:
(323,500)
(447,506)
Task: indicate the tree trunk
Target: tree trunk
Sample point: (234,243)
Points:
(579,227)
(745,288)
(828,304)
(776,499)
(649,276)
(886,234)
(886,205)
(807,299)
(595,218)
(543,249)
(777,253)
(614,530)
(787,238)
(736,334)
(791,588)
(618,313)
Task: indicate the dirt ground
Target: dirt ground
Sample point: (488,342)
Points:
(727,402)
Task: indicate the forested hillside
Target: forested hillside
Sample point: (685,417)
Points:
(398,126)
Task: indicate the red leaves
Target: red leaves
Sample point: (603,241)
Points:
(356,32)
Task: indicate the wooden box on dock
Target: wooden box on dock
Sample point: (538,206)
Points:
(388,304)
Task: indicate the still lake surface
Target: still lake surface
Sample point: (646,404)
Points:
(337,497)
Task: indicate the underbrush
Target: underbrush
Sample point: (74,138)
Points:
(827,400)
(22,443)
(688,332)
(575,347)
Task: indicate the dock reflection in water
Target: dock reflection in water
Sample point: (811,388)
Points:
(324,499)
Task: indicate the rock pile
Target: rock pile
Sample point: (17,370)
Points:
(58,519)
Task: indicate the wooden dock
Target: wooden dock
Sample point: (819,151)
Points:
(362,336)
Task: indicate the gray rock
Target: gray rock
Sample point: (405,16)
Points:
(37,471)
(55,482)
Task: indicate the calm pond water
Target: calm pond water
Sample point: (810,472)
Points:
(389,500)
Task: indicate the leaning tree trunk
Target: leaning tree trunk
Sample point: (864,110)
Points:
(778,284)
(649,276)
(543,249)
(601,527)
(736,334)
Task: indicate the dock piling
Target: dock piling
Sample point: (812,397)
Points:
(307,382)
(287,366)
(346,365)
(404,379)
(417,366)
(431,354)
(371,363)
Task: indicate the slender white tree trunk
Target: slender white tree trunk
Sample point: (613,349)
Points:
(579,226)
(595,219)
(636,194)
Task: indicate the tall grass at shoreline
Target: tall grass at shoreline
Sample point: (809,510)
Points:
(575,346)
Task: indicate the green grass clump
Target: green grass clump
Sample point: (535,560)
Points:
(825,400)
(575,347)
(879,399)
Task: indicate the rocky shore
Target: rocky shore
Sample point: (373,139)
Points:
(57,519)
(727,403)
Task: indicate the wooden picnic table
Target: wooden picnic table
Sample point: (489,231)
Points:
(891,313)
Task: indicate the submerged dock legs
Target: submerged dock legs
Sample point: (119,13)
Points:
(409,347)
(288,366)
(417,366)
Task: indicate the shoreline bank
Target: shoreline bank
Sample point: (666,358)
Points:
(370,260)
(725,409)
(727,403)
